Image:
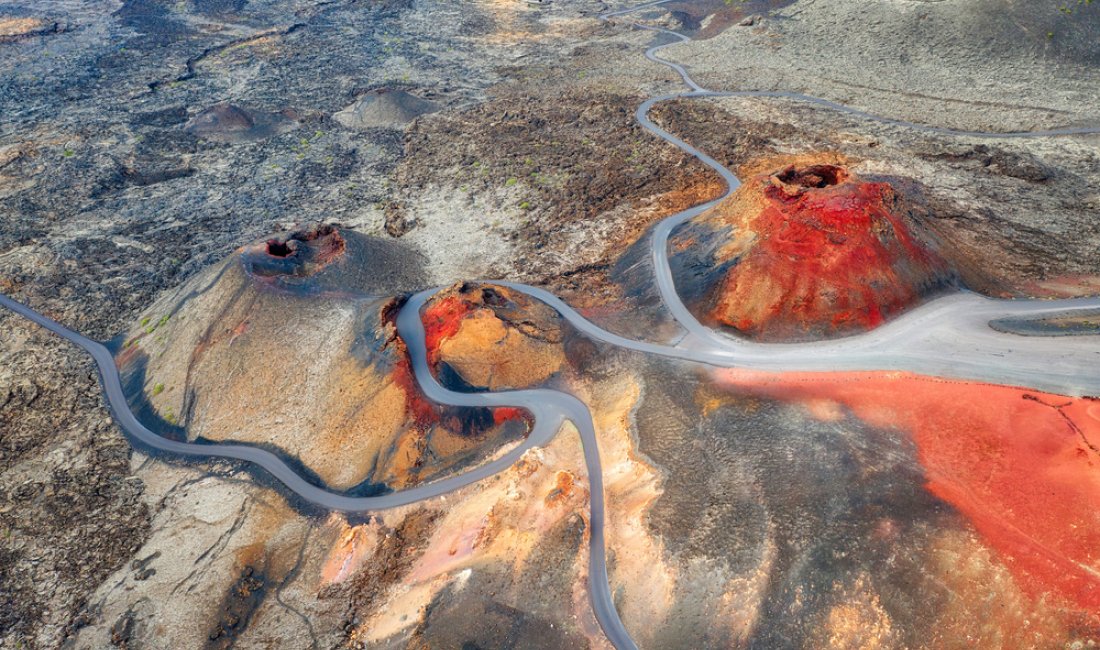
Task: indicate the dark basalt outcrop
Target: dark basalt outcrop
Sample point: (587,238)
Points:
(807,251)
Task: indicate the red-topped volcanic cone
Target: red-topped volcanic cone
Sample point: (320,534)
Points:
(805,252)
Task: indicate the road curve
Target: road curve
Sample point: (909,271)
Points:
(949,336)
(550,409)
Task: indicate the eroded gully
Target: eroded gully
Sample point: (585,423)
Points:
(947,337)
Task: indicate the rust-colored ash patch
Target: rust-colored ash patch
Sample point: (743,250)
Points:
(564,487)
(1021,465)
(395,553)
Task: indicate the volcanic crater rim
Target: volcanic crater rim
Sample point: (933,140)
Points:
(810,177)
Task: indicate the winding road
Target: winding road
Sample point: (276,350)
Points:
(948,337)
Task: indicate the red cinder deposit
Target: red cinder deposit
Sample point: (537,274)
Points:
(492,337)
(442,319)
(1022,466)
(810,251)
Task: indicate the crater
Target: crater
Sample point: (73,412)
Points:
(490,337)
(301,253)
(232,124)
(276,248)
(811,177)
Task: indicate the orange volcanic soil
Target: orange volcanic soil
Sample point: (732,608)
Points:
(811,251)
(492,337)
(483,320)
(1022,466)
(441,319)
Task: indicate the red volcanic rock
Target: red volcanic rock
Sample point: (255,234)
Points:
(455,337)
(493,337)
(808,252)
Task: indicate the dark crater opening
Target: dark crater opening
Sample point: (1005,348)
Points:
(301,253)
(493,298)
(814,176)
(276,248)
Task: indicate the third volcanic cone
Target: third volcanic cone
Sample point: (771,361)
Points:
(805,252)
